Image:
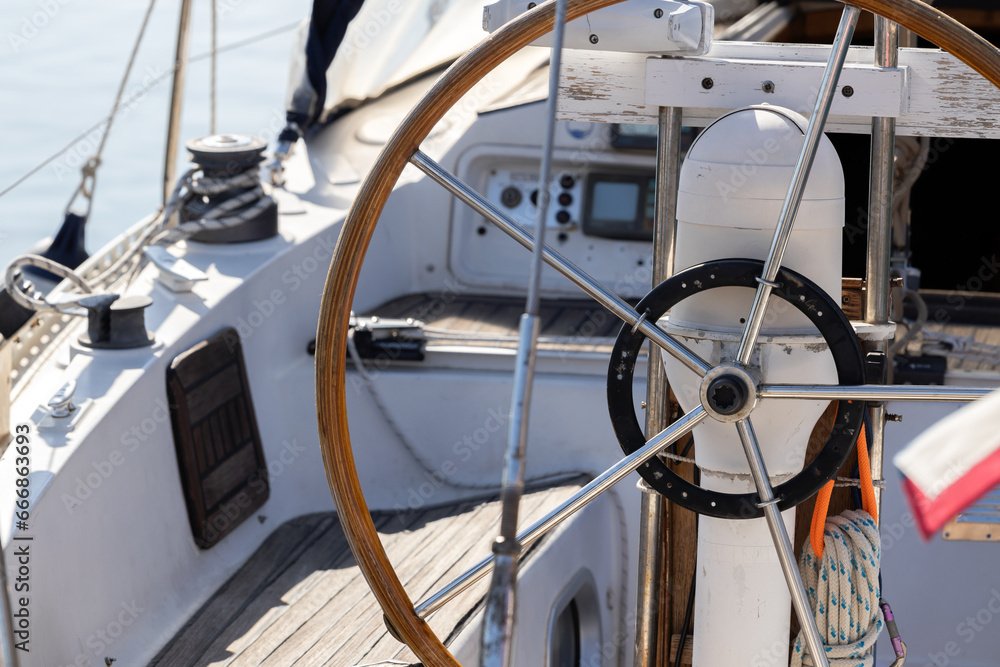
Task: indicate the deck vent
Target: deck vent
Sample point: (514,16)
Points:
(219,453)
(979,522)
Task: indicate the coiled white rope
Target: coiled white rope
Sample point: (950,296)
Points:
(220,217)
(843,590)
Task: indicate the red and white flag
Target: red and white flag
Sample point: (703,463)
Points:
(952,464)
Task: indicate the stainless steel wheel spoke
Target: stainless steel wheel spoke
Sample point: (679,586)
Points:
(572,272)
(786,555)
(814,132)
(872,392)
(600,484)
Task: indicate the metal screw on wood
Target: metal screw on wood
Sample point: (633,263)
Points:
(593,39)
(847,91)
(767,86)
(707,83)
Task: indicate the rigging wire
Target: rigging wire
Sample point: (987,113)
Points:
(145,89)
(90,168)
(128,71)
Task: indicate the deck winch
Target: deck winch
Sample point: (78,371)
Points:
(229,183)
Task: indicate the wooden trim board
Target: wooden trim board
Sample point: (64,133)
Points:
(946,98)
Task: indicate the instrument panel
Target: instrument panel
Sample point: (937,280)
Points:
(600,217)
(613,204)
(516,191)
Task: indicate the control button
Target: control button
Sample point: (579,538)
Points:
(534,197)
(567,182)
(565,199)
(510,197)
(562,217)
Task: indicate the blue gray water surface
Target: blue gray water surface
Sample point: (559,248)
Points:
(60,65)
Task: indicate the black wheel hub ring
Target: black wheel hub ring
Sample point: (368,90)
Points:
(809,299)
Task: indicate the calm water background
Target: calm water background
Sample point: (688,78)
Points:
(60,65)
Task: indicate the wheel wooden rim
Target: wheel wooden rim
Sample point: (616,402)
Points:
(352,245)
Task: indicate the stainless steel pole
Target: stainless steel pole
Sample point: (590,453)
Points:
(652,550)
(880,230)
(873,392)
(176,98)
(668,167)
(652,542)
(498,616)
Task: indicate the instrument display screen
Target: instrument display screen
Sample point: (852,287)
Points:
(620,205)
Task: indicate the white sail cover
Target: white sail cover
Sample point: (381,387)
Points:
(388,42)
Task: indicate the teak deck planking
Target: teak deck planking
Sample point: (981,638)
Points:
(301,600)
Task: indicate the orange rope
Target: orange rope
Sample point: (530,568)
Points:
(819,518)
(867,487)
(823,497)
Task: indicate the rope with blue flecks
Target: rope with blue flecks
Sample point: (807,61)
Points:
(843,590)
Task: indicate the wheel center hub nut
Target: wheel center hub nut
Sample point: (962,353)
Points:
(729,393)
